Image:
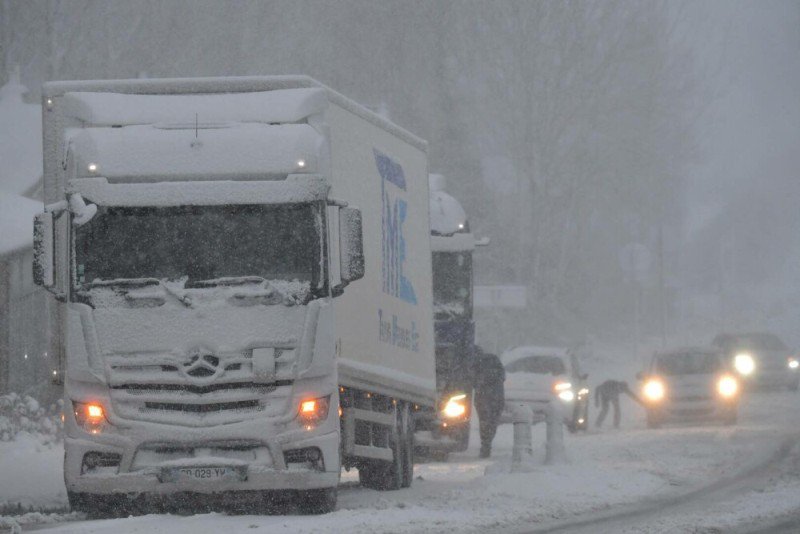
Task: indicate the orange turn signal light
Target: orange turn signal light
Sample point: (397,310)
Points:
(313,411)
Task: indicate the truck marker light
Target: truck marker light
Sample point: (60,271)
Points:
(92,168)
(301,163)
(313,411)
(49,103)
(793,364)
(90,416)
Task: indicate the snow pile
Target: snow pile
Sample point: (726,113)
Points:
(20,141)
(20,413)
(16,523)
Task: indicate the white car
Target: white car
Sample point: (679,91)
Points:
(538,375)
(690,384)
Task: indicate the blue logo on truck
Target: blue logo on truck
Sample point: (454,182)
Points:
(395,210)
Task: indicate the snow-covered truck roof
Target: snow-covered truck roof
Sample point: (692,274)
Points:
(232,88)
(449,226)
(190,127)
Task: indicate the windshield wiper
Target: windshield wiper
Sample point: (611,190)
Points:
(225,281)
(142,282)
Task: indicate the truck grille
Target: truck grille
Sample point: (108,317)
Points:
(221,389)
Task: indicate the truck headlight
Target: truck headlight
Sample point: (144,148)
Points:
(455,407)
(727,387)
(654,390)
(90,416)
(313,411)
(793,364)
(744,364)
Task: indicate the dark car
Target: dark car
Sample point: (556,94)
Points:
(761,359)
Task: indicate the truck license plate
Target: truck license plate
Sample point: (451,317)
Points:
(203,473)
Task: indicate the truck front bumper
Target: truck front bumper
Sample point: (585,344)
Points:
(138,473)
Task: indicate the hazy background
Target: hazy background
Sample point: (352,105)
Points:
(620,155)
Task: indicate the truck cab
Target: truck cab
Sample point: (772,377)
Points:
(452,246)
(198,236)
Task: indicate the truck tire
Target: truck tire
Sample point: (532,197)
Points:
(407,444)
(462,438)
(318,501)
(382,475)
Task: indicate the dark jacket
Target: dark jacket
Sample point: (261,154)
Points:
(488,378)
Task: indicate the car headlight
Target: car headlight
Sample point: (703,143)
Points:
(455,407)
(654,390)
(793,364)
(727,387)
(744,364)
(564,391)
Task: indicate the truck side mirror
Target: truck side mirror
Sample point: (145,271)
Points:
(351,243)
(43,251)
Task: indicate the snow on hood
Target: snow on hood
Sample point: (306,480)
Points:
(20,139)
(16,221)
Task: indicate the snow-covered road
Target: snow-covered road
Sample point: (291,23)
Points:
(738,475)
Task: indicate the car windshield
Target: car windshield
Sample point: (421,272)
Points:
(540,365)
(757,341)
(452,283)
(688,363)
(200,243)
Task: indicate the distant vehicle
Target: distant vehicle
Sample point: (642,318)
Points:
(690,384)
(761,359)
(452,244)
(539,375)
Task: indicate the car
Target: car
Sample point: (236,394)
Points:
(761,359)
(690,384)
(538,375)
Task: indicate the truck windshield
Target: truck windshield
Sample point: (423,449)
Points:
(200,243)
(452,284)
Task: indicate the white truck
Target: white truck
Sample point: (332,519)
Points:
(243,268)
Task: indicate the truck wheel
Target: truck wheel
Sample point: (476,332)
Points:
(462,438)
(407,445)
(319,501)
(382,475)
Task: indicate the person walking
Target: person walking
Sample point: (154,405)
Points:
(607,394)
(488,378)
